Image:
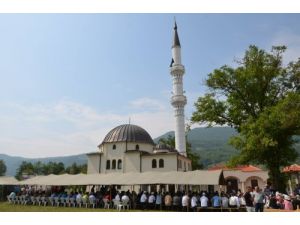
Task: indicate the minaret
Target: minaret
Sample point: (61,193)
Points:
(178,100)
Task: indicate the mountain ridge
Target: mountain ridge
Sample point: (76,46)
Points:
(210,143)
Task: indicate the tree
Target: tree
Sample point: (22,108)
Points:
(38,168)
(53,168)
(193,156)
(2,168)
(25,169)
(249,98)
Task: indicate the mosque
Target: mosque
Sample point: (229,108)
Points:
(129,148)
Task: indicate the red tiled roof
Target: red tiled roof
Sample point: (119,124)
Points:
(292,168)
(243,168)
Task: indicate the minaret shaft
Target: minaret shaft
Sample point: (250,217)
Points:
(178,100)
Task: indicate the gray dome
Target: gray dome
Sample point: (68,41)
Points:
(129,133)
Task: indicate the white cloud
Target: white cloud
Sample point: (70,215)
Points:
(67,127)
(292,41)
(147,104)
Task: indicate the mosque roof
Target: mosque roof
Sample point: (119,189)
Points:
(128,133)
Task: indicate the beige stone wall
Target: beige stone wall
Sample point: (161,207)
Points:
(121,147)
(93,163)
(170,162)
(184,164)
(132,162)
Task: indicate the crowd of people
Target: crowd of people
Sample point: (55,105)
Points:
(253,200)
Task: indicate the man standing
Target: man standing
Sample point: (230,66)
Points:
(185,202)
(143,200)
(194,201)
(259,198)
(234,201)
(204,201)
(216,200)
(151,200)
(249,200)
(168,201)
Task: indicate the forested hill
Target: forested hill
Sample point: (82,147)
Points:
(211,143)
(13,162)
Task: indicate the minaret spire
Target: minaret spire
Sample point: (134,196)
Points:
(176,41)
(178,100)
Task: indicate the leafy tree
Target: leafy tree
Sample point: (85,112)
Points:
(83,168)
(195,157)
(2,168)
(53,168)
(26,168)
(38,168)
(254,98)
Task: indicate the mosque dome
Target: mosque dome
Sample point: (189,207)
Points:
(129,133)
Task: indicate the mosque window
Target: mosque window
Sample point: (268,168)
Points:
(108,164)
(119,164)
(161,163)
(113,164)
(137,147)
(114,147)
(154,163)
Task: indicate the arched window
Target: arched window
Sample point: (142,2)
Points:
(161,163)
(119,164)
(113,165)
(108,164)
(114,147)
(137,147)
(154,163)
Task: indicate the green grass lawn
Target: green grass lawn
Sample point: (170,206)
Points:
(7,207)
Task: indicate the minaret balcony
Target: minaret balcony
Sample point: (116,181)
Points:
(178,100)
(177,69)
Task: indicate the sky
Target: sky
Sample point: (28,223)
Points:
(66,80)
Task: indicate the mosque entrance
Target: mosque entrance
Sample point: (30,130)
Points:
(232,185)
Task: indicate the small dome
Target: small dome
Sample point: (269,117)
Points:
(129,133)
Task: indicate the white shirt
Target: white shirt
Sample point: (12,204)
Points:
(185,200)
(117,197)
(78,196)
(242,201)
(143,198)
(194,201)
(92,197)
(125,198)
(234,200)
(204,201)
(151,199)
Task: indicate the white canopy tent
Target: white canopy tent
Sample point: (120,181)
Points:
(8,180)
(197,177)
